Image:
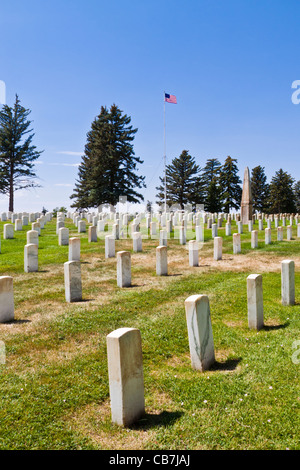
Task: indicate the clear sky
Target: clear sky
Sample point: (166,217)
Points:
(231,65)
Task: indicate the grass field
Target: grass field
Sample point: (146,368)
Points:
(54,391)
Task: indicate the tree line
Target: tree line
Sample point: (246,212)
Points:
(109,169)
(219,188)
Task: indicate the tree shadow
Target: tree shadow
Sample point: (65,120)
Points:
(229,364)
(149,420)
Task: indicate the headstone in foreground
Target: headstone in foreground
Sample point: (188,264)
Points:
(255,301)
(7,312)
(73,286)
(199,332)
(31,258)
(125,371)
(288,282)
(123,269)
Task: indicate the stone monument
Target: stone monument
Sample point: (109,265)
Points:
(246,204)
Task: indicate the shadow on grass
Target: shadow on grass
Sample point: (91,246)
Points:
(229,364)
(17,321)
(165,418)
(133,285)
(275,327)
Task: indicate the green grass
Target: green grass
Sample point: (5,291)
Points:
(54,383)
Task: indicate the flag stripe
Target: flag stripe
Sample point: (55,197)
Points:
(170,98)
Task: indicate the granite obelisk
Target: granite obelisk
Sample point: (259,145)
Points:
(246,204)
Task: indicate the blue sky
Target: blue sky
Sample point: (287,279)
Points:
(231,65)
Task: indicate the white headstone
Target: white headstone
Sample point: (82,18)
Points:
(268,236)
(31,258)
(255,301)
(7,309)
(137,241)
(92,233)
(228,229)
(81,226)
(63,236)
(123,269)
(163,238)
(36,226)
(74,249)
(125,371)
(236,243)
(240,226)
(218,243)
(182,236)
(254,239)
(109,246)
(8,231)
(162,260)
(152,228)
(18,225)
(288,282)
(199,332)
(73,286)
(32,236)
(214,230)
(200,233)
(193,253)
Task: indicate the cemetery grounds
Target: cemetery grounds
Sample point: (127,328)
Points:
(54,379)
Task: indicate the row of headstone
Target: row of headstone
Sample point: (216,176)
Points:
(124,345)
(214,229)
(73,285)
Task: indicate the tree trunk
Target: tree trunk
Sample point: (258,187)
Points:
(11,192)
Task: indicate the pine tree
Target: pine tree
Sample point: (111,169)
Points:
(17,153)
(181,176)
(109,165)
(230,185)
(199,191)
(282,196)
(213,202)
(211,194)
(259,189)
(297,196)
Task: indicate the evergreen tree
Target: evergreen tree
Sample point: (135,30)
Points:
(211,169)
(230,185)
(199,191)
(259,189)
(17,153)
(213,201)
(149,206)
(282,196)
(109,165)
(211,194)
(181,176)
(297,196)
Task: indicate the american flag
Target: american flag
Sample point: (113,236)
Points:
(170,98)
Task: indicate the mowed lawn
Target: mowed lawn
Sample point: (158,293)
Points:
(54,391)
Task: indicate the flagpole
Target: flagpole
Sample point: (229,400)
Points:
(165,154)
